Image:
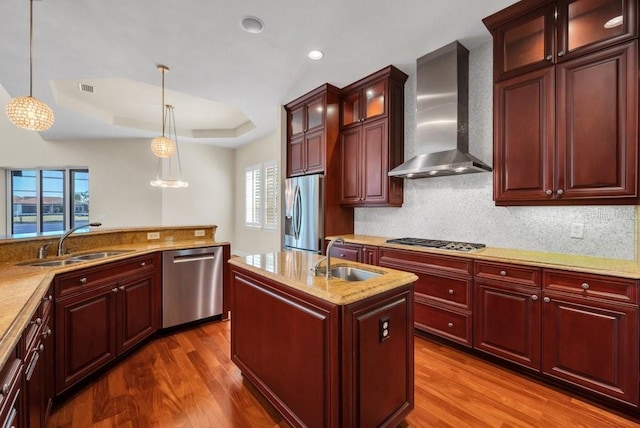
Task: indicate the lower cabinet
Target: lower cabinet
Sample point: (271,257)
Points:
(356,253)
(100,315)
(443,300)
(11,391)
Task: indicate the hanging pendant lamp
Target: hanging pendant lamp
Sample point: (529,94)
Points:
(173,177)
(28,112)
(162,146)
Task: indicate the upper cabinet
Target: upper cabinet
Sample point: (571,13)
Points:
(312,120)
(537,33)
(565,102)
(372,139)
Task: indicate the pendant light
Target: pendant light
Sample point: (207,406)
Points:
(174,175)
(162,146)
(28,112)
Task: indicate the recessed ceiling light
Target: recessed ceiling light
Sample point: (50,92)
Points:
(315,55)
(614,22)
(252,24)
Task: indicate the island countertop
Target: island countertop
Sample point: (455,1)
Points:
(293,269)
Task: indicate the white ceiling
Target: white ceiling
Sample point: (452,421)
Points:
(117,44)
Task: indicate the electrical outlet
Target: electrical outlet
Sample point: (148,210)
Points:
(383,328)
(199,232)
(153,235)
(577,230)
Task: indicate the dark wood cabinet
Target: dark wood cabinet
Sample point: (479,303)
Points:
(347,365)
(356,253)
(507,312)
(312,130)
(11,390)
(443,294)
(590,333)
(565,103)
(372,139)
(101,312)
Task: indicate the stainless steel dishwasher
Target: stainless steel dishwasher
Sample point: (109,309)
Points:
(191,285)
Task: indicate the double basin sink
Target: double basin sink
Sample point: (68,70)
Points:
(77,259)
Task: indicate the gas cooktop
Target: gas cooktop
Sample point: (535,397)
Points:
(433,243)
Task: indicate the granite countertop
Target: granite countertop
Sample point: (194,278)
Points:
(293,268)
(570,262)
(22,287)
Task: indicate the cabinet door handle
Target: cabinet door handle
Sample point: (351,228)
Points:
(37,321)
(549,57)
(503,273)
(546,300)
(83,280)
(39,348)
(121,288)
(342,255)
(115,290)
(549,192)
(560,192)
(4,390)
(561,53)
(450,325)
(47,298)
(534,297)
(143,264)
(450,291)
(585,286)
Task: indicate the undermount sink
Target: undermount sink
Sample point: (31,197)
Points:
(93,256)
(349,273)
(76,259)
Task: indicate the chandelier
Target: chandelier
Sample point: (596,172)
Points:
(28,112)
(162,146)
(173,176)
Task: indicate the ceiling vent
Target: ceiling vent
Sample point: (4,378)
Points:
(85,88)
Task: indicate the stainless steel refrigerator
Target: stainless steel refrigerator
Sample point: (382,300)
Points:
(304,213)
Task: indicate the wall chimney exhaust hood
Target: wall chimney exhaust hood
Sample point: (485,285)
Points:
(442,117)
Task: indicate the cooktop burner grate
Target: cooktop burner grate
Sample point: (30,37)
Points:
(434,243)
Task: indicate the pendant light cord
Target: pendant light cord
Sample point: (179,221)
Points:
(164,117)
(31,48)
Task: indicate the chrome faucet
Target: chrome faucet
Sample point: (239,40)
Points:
(316,267)
(69,232)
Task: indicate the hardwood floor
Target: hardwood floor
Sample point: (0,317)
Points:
(187,379)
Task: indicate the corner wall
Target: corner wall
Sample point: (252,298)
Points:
(461,208)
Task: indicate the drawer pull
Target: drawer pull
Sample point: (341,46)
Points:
(115,290)
(83,280)
(450,325)
(546,300)
(450,291)
(5,389)
(47,298)
(342,255)
(549,57)
(37,321)
(503,273)
(39,348)
(585,286)
(534,297)
(143,264)
(121,288)
(46,333)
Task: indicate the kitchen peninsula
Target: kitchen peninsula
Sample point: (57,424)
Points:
(325,352)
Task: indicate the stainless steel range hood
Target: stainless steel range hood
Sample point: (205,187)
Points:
(442,117)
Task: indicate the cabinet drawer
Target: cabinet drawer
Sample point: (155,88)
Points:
(589,285)
(451,325)
(413,261)
(446,289)
(524,275)
(349,252)
(84,279)
(9,382)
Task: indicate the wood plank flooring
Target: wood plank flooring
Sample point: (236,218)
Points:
(186,379)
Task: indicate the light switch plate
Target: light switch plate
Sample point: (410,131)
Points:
(199,232)
(153,235)
(577,230)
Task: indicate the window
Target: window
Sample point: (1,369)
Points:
(39,199)
(261,195)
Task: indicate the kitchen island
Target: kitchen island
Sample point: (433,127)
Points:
(325,353)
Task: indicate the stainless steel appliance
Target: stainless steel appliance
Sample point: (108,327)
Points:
(433,243)
(304,213)
(191,285)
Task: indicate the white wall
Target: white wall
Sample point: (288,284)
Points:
(247,240)
(461,208)
(120,172)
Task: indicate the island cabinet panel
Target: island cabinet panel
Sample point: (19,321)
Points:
(378,361)
(507,313)
(11,414)
(322,364)
(591,342)
(443,302)
(283,345)
(102,312)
